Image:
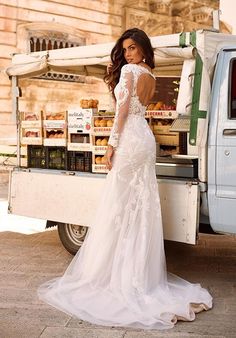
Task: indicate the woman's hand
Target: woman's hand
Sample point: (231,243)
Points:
(109,154)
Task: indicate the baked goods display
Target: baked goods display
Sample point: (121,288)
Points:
(168,142)
(55,133)
(87,129)
(31,136)
(159,105)
(102,124)
(55,128)
(89,103)
(31,128)
(55,116)
(79,128)
(101,128)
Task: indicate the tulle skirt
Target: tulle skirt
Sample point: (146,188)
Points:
(119,277)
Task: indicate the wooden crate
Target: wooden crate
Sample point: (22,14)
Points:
(98,167)
(98,144)
(55,137)
(80,120)
(31,136)
(171,139)
(31,119)
(55,120)
(79,142)
(79,161)
(159,129)
(102,125)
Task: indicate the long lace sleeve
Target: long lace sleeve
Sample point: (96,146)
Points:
(122,104)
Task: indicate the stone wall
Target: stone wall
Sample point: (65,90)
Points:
(90,21)
(83,22)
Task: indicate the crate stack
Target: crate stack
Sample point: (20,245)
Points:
(79,139)
(168,142)
(101,128)
(51,157)
(74,140)
(31,128)
(79,129)
(55,129)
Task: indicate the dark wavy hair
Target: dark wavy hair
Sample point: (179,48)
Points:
(118,59)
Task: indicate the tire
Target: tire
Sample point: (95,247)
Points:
(72,236)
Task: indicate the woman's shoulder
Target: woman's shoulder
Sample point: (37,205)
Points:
(133,67)
(128,67)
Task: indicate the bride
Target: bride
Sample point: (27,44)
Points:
(119,277)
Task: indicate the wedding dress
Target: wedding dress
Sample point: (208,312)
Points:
(119,277)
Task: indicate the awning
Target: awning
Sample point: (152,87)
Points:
(92,60)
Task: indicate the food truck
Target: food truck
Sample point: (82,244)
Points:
(192,116)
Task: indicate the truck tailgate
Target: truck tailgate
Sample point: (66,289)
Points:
(57,196)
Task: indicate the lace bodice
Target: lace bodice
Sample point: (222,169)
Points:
(127,100)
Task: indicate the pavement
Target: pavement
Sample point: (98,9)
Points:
(29,256)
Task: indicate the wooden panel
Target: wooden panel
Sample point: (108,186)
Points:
(90,26)
(70,11)
(4,63)
(9,2)
(8,12)
(6,51)
(7,25)
(5,92)
(8,134)
(8,38)
(97,5)
(4,80)
(6,118)
(5,105)
(25,201)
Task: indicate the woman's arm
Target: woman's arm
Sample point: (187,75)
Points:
(122,105)
(122,111)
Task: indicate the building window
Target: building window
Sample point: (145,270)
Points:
(38,44)
(42,43)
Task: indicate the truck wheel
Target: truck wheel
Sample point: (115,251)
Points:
(72,236)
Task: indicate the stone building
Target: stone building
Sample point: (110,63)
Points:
(38,25)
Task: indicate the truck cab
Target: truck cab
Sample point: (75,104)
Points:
(222,144)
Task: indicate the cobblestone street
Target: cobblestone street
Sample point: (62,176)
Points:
(30,256)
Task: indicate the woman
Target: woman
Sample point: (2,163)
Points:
(119,278)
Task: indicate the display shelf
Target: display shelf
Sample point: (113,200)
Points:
(163,114)
(99,167)
(79,142)
(31,119)
(31,136)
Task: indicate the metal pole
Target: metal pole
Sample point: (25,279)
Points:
(216,19)
(16,115)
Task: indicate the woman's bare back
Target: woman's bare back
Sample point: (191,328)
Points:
(145,88)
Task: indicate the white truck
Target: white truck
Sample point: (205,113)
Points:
(197,185)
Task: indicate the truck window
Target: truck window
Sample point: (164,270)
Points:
(232,104)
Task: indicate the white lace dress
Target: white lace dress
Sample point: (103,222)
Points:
(119,277)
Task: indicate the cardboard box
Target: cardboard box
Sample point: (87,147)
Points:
(80,120)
